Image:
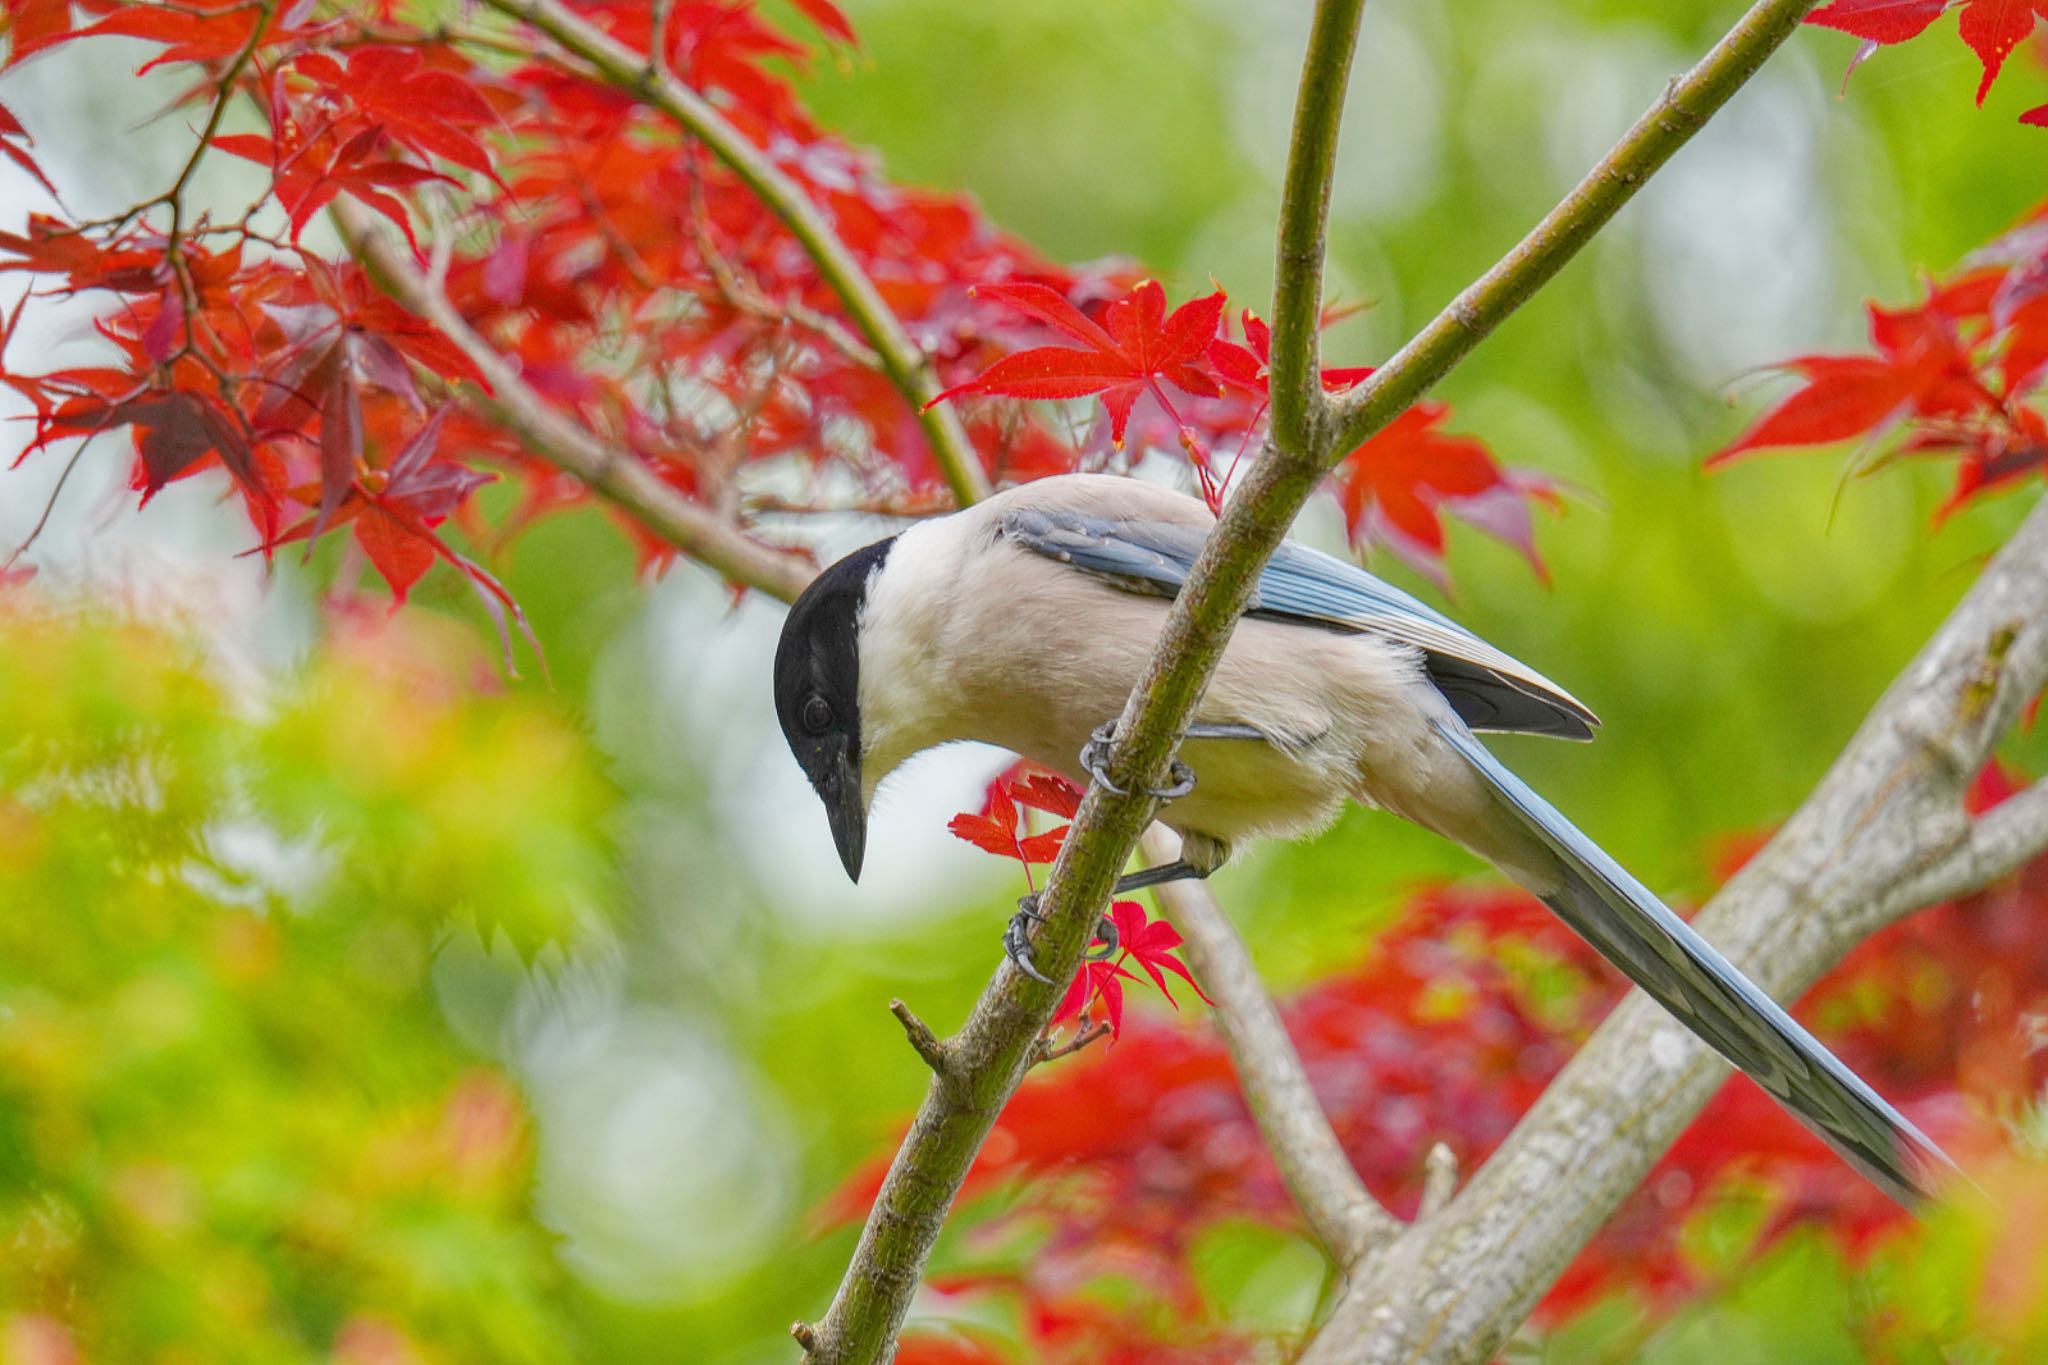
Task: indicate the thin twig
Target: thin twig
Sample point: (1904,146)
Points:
(1298,403)
(905,365)
(922,1040)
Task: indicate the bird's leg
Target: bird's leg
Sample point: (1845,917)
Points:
(1095,758)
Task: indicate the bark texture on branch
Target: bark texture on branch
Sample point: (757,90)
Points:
(1885,827)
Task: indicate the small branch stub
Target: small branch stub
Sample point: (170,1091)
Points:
(923,1041)
(1439,1181)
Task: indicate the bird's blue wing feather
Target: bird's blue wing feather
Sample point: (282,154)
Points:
(1489,689)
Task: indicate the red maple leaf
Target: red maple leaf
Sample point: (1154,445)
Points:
(1135,346)
(1921,369)
(1249,366)
(11,132)
(1149,943)
(1152,944)
(1879,21)
(1103,981)
(1993,28)
(996,829)
(428,111)
(1051,794)
(1398,480)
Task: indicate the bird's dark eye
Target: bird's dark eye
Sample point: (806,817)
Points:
(817,715)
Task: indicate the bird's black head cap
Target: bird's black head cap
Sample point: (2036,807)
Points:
(817,692)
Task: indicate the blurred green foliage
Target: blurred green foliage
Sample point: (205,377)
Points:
(233,1124)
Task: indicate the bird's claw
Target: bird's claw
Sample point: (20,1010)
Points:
(1105,929)
(1095,761)
(1183,782)
(1017,939)
(1095,757)
(1017,947)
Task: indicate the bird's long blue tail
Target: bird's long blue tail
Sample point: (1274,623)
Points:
(1682,971)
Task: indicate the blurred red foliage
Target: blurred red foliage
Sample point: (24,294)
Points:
(1446,1031)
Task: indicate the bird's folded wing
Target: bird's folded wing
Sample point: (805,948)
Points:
(1489,689)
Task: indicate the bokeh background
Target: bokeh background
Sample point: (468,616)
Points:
(658,959)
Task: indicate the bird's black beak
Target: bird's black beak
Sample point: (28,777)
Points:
(843,809)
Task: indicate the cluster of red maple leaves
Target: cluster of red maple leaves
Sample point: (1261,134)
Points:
(636,282)
(1953,376)
(998,828)
(1992,28)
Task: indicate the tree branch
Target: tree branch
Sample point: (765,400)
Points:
(1295,383)
(1346,1219)
(1883,832)
(616,474)
(901,359)
(1996,844)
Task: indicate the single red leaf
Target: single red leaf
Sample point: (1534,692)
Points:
(167,328)
(994,830)
(401,550)
(249,146)
(1408,471)
(1153,944)
(341,435)
(1048,372)
(412,457)
(1879,21)
(11,133)
(2024,363)
(1993,28)
(1042,848)
(829,18)
(1051,307)
(1051,794)
(2036,117)
(1844,397)
(1096,980)
(1137,345)
(171,434)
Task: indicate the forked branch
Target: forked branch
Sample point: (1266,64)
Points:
(1309,435)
